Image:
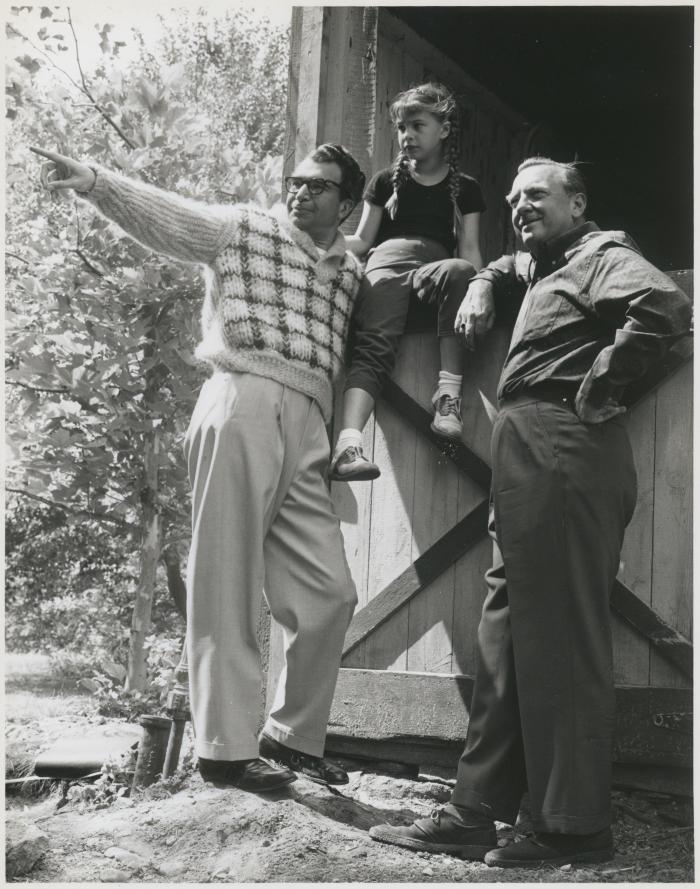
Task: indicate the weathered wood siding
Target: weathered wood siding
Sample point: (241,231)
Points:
(347,65)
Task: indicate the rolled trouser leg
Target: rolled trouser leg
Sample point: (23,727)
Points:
(379,324)
(447,281)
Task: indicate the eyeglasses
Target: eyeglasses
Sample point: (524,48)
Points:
(293,184)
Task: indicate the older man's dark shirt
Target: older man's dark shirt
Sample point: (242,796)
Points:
(595,315)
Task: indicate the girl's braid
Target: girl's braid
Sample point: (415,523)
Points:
(437,100)
(400,174)
(452,160)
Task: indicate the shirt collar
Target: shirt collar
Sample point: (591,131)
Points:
(335,252)
(557,247)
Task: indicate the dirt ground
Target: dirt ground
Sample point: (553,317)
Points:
(186,831)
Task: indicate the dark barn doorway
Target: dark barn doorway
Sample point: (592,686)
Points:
(611,84)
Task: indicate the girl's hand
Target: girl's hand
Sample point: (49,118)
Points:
(476,314)
(59,172)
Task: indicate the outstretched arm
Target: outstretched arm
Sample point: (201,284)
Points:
(167,223)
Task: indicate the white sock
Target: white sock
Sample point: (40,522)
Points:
(346,438)
(449,384)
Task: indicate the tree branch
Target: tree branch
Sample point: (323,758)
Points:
(72,80)
(99,516)
(63,391)
(88,264)
(15,256)
(87,92)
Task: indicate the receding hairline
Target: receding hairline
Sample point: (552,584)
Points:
(570,177)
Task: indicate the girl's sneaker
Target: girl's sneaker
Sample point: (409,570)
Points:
(447,421)
(352,466)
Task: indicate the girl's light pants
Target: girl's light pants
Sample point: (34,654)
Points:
(262,519)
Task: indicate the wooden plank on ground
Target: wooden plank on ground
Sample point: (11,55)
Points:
(421,718)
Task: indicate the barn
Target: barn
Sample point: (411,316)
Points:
(532,80)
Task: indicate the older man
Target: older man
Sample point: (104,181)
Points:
(275,323)
(595,316)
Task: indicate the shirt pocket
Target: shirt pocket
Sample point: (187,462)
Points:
(540,312)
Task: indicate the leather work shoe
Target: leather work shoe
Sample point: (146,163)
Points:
(447,421)
(314,767)
(352,466)
(253,775)
(554,848)
(444,832)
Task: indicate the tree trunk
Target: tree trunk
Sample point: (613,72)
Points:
(176,585)
(150,553)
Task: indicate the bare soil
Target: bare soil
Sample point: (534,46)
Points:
(186,831)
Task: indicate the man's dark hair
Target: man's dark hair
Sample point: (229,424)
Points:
(574,183)
(352,181)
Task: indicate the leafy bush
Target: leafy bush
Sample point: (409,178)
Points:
(100,331)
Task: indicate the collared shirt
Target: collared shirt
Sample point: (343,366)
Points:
(595,315)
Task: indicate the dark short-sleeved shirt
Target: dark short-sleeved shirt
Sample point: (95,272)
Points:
(423,210)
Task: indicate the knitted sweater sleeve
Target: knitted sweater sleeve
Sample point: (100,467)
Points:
(165,222)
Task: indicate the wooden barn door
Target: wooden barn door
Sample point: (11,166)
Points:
(416,538)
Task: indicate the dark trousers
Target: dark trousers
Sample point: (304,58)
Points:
(542,715)
(395,272)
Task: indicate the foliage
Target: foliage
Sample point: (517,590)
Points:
(106,681)
(112,784)
(100,331)
(68,589)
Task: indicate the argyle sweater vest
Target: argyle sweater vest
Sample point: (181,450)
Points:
(274,306)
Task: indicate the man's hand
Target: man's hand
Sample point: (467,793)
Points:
(588,414)
(476,314)
(59,172)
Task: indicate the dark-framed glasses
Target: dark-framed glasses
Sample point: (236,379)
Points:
(315,186)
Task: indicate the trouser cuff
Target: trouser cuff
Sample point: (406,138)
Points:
(226,752)
(470,799)
(310,746)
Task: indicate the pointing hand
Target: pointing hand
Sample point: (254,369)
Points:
(59,172)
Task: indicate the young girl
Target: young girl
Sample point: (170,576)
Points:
(417,214)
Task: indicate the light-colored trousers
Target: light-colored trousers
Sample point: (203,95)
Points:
(262,519)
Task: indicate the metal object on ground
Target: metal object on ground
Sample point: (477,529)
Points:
(178,708)
(151,753)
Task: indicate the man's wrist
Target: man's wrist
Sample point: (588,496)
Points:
(94,182)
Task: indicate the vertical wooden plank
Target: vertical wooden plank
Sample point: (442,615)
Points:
(309,86)
(482,372)
(290,130)
(391,537)
(631,652)
(434,513)
(671,595)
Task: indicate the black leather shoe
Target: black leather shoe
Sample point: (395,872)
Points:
(555,849)
(252,775)
(443,833)
(314,767)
